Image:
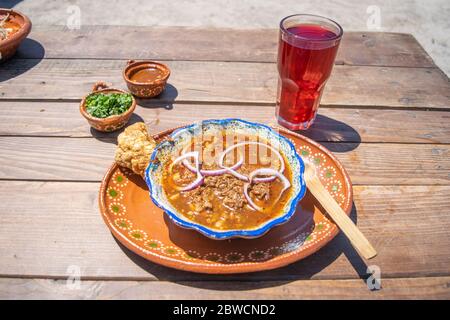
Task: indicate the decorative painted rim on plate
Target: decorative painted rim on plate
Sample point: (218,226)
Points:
(153,176)
(273,250)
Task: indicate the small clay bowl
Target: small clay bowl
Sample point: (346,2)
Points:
(110,123)
(9,46)
(145,89)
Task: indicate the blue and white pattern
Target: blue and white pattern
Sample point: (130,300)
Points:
(178,139)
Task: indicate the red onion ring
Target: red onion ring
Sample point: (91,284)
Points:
(264,172)
(241,176)
(271,174)
(216,172)
(199,180)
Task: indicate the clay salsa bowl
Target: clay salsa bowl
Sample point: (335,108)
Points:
(145,89)
(110,123)
(177,140)
(9,46)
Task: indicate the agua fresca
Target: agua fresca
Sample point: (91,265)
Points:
(306,56)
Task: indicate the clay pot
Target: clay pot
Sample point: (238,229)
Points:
(144,89)
(9,46)
(110,123)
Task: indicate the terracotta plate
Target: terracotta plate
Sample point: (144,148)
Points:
(143,228)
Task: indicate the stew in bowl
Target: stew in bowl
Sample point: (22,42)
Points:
(226,178)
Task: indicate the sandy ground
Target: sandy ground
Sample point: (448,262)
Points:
(428,21)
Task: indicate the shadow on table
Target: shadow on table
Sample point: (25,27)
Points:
(164,100)
(329,131)
(111,137)
(9,4)
(16,66)
(301,270)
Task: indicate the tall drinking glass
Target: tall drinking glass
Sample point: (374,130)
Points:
(307,48)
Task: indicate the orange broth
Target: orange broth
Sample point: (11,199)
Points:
(12,28)
(219,203)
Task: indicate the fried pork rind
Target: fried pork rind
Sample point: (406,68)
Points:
(134,148)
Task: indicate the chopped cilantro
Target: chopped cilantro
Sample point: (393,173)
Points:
(101,105)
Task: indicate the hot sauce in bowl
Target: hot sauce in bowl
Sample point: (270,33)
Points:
(147,75)
(146,79)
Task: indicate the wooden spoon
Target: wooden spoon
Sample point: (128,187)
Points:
(338,215)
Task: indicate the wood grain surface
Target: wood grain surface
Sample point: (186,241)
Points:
(385,114)
(401,288)
(46,227)
(86,159)
(96,42)
(228,82)
(62,119)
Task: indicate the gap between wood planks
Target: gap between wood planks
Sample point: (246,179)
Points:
(99,181)
(111,140)
(215,278)
(394,288)
(336,63)
(157,103)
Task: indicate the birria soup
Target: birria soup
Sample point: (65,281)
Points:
(228,182)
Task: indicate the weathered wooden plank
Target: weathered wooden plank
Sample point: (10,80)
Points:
(178,43)
(397,288)
(86,159)
(49,228)
(228,82)
(340,124)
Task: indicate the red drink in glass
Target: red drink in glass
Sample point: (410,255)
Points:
(307,49)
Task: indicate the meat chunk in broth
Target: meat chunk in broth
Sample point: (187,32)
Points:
(220,200)
(261,191)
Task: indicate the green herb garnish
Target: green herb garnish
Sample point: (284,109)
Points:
(101,105)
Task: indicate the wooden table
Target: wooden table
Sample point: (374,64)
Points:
(385,114)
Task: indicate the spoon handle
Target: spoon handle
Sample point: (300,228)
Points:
(358,240)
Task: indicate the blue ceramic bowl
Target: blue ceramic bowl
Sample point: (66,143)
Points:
(165,149)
